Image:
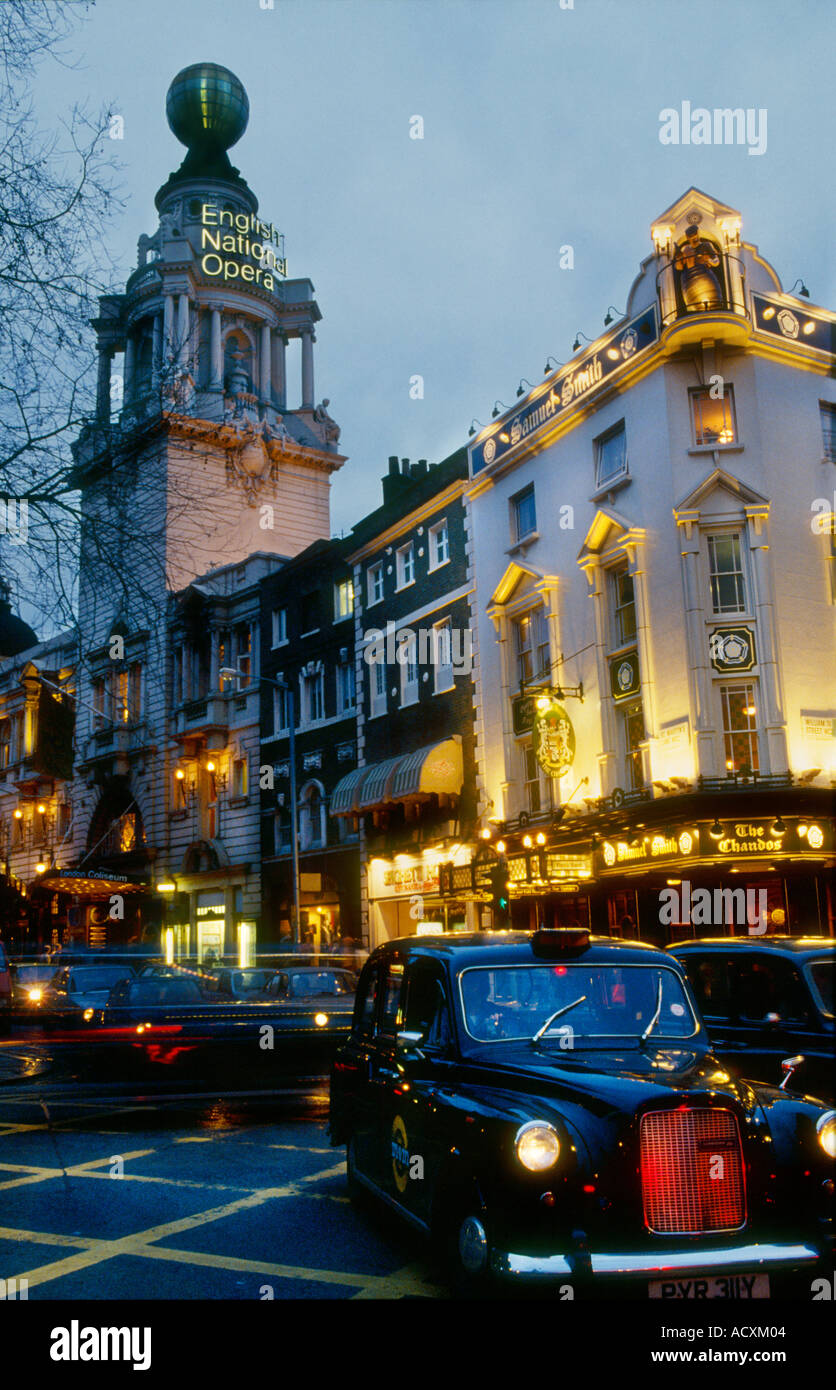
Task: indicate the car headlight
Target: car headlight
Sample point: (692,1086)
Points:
(87,1015)
(826,1130)
(537,1146)
(36,995)
(320,1020)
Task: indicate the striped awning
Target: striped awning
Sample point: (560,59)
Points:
(344,796)
(376,790)
(437,768)
(409,777)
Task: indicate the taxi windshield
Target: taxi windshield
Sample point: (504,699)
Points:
(591,1001)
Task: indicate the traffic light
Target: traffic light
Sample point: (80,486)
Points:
(500,901)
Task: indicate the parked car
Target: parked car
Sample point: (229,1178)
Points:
(29,984)
(76,991)
(547,1107)
(5,992)
(765,999)
(312,982)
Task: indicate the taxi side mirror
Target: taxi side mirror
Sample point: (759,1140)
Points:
(788,1066)
(410,1043)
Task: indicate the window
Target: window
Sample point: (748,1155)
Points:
(611,456)
(312,816)
(313,697)
(533,790)
(242,652)
(345,687)
(725,568)
(374,580)
(99,702)
(623,606)
(281,831)
(391,1018)
(405,558)
(365,1007)
(426,1011)
(740,728)
(710,979)
(408,652)
(240,779)
(827,414)
(713,417)
(439,545)
(377,682)
(5,742)
(831,559)
(179,799)
(134,701)
(443,655)
(523,514)
(343,600)
(768,985)
(280,720)
(633,735)
(531,646)
(177,677)
(309,613)
(279,621)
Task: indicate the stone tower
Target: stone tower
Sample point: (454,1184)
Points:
(203,463)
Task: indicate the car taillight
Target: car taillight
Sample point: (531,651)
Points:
(692,1171)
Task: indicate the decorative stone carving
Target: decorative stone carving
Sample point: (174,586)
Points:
(331,429)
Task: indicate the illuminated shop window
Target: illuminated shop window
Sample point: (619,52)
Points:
(713,420)
(740,728)
(725,566)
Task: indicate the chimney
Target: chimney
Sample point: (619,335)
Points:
(405,467)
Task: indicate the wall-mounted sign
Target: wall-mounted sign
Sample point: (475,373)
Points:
(794,324)
(575,382)
(732,648)
(624,675)
(419,878)
(553,738)
(522,713)
(655,847)
(820,728)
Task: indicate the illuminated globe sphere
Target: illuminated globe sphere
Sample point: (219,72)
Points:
(207,107)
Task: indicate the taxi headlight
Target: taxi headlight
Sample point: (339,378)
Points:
(87,1015)
(36,995)
(826,1130)
(537,1146)
(320,1020)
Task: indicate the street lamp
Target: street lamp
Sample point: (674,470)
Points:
(230,673)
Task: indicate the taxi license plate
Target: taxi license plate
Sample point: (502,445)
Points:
(717,1286)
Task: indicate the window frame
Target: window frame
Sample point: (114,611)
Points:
(598,443)
(736,535)
(752,732)
(374,573)
(404,554)
(438,668)
(696,394)
(440,528)
(378,689)
(343,587)
(410,688)
(278,620)
(516,502)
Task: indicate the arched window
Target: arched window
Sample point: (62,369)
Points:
(312,815)
(238,363)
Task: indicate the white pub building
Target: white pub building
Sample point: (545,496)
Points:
(653,542)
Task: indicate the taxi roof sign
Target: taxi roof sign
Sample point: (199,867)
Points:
(560,941)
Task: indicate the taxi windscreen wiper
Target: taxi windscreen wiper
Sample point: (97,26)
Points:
(549,1021)
(655,1019)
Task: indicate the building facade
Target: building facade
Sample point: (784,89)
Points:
(653,546)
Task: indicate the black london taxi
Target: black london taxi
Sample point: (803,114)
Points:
(547,1107)
(767,1001)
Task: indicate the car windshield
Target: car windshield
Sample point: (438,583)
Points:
(821,974)
(34,974)
(513,1002)
(319,982)
(246,980)
(88,980)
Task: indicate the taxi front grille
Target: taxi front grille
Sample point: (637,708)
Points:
(692,1171)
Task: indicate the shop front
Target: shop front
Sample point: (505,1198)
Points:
(406,899)
(95,908)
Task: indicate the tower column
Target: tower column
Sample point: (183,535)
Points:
(307,369)
(130,359)
(183,328)
(103,384)
(216,361)
(168,330)
(265,364)
(279,370)
(157,350)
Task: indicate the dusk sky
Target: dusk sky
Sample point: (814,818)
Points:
(440,256)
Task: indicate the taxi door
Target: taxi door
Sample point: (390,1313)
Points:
(413,1130)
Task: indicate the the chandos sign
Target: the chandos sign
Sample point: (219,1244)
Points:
(239,246)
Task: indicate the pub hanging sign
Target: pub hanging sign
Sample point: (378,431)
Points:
(553,737)
(732,648)
(624,675)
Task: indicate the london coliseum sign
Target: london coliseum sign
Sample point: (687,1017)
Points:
(573,384)
(239,246)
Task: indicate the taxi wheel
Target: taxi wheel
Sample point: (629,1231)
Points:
(467,1244)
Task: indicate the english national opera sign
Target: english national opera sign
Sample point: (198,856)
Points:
(557,396)
(236,246)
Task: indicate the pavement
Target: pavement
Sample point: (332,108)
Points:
(19,1062)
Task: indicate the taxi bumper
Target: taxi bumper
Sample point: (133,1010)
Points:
(656,1263)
